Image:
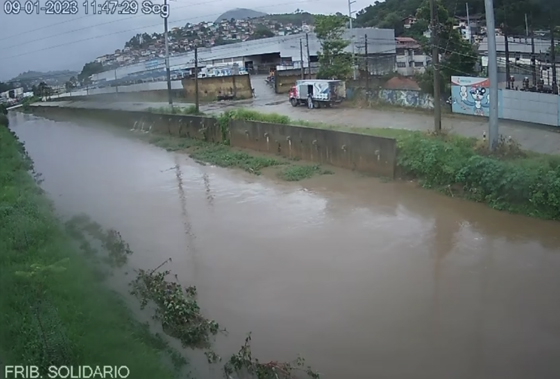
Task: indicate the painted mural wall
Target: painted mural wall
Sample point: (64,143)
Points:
(404,98)
(471,96)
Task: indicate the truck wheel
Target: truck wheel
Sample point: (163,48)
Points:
(294,102)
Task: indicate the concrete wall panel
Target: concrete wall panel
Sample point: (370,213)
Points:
(374,155)
(211,88)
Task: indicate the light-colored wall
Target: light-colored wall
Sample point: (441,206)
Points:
(539,108)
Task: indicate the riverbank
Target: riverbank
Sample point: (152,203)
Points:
(55,310)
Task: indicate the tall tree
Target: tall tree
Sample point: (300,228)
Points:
(90,69)
(334,61)
(458,56)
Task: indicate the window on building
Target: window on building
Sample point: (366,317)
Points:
(401,64)
(418,64)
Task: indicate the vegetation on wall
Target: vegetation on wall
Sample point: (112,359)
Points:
(334,61)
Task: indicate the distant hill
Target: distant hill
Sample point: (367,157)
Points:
(240,14)
(291,18)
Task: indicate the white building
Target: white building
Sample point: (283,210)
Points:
(410,59)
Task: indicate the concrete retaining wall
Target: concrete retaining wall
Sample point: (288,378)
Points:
(375,155)
(211,88)
(188,126)
(368,154)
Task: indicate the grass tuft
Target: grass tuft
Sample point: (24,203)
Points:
(297,173)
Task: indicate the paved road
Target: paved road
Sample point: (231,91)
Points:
(531,137)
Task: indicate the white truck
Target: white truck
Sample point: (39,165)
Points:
(317,93)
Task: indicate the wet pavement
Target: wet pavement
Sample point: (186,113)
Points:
(365,279)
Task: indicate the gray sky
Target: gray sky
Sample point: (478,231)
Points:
(42,42)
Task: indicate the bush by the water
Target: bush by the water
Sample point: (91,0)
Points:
(515,183)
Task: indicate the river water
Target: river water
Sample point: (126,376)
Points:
(364,279)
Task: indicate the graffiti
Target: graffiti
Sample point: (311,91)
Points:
(406,98)
(402,98)
(470,95)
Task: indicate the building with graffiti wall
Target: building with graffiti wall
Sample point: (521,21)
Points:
(471,96)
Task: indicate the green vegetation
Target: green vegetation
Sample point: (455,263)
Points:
(458,56)
(297,173)
(55,311)
(510,179)
(334,62)
(224,156)
(90,69)
(541,12)
(29,100)
(191,109)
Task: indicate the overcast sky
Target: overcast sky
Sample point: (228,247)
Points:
(42,42)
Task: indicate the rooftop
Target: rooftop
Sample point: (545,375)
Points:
(380,41)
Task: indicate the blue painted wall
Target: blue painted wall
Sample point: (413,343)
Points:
(472,96)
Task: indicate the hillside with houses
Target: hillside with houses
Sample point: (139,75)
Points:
(143,47)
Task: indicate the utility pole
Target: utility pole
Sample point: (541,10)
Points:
(301,58)
(553,59)
(196,100)
(168,71)
(308,56)
(506,44)
(116,83)
(350,12)
(367,67)
(492,75)
(533,58)
(435,63)
(526,28)
(468,23)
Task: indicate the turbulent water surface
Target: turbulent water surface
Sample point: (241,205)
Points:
(364,279)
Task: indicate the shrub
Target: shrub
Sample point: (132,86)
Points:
(523,185)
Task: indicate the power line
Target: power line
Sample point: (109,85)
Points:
(88,27)
(218,55)
(128,30)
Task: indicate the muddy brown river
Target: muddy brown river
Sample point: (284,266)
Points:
(364,279)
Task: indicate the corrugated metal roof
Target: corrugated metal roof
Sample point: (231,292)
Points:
(380,41)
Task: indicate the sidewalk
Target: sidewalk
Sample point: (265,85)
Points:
(533,137)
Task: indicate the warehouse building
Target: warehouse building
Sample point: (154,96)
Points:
(260,56)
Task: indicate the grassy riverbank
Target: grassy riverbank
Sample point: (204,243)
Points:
(226,156)
(54,309)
